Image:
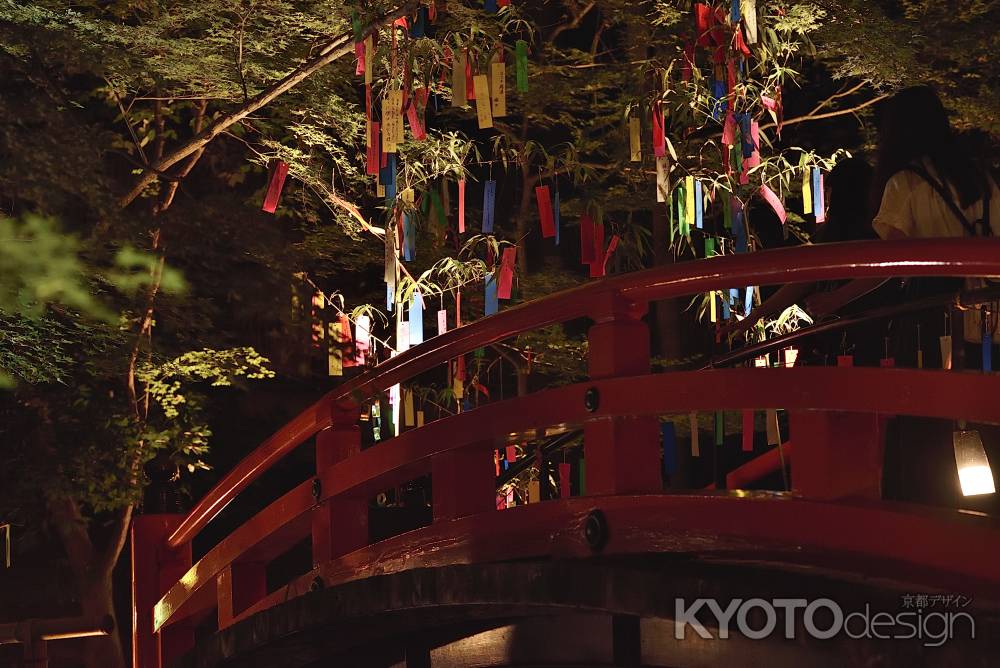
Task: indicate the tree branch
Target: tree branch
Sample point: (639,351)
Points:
(330,52)
(812,116)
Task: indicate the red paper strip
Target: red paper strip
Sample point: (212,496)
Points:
(775,203)
(659,136)
(506,272)
(845,360)
(704,17)
(608,253)
(359,52)
(587,239)
(496,465)
(564,473)
(729,129)
(374,154)
(597,265)
(545,211)
(347,341)
(511,454)
(747,431)
(413,114)
(688,61)
(740,44)
(276,181)
(461,206)
(470,88)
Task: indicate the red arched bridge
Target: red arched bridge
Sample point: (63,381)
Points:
(590,579)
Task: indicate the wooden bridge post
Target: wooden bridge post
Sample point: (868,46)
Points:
(622,453)
(156,568)
(340,524)
(838,454)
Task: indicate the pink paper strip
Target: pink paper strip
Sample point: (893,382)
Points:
(775,203)
(461,206)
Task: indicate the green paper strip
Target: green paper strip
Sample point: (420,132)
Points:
(521,59)
(709,246)
(438,207)
(720,428)
(682,225)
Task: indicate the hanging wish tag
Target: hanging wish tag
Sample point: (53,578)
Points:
(521,65)
(544,200)
(484,114)
(492,305)
(635,145)
(416,322)
(458,92)
(819,205)
(693,422)
(747,431)
(442,321)
(773,433)
(507,261)
(662,179)
(275,183)
(498,88)
(461,206)
(771,198)
(489,199)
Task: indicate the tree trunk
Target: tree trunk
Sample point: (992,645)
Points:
(96,601)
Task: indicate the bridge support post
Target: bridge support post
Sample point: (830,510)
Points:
(463,482)
(155,568)
(838,454)
(622,453)
(340,524)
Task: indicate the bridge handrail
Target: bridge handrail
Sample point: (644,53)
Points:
(598,300)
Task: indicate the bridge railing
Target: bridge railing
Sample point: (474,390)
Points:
(836,415)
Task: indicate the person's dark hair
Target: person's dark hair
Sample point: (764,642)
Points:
(848,217)
(913,124)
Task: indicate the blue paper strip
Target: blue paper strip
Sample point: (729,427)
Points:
(416,319)
(409,243)
(734,297)
(489,199)
(748,305)
(987,350)
(669,436)
(718,99)
(746,139)
(734,12)
(817,191)
(555,214)
(387,177)
(490,6)
(390,294)
(417,29)
(739,230)
(492,304)
(725,307)
(699,205)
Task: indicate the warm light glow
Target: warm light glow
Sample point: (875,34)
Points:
(791,355)
(974,471)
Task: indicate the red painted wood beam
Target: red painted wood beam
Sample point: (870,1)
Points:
(880,259)
(915,547)
(852,389)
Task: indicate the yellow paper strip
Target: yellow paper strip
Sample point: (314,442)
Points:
(807,197)
(335,354)
(409,415)
(420,418)
(773,433)
(498,89)
(689,204)
(388,132)
(635,146)
(693,421)
(749,10)
(483,113)
(369,57)
(534,491)
(458,92)
(662,179)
